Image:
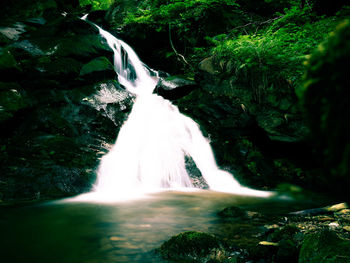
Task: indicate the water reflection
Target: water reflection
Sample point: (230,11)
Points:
(114,232)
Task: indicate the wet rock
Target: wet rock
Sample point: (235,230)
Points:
(175,87)
(274,108)
(324,246)
(82,46)
(189,246)
(233,213)
(60,106)
(8,65)
(10,102)
(98,68)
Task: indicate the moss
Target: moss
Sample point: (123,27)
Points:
(326,103)
(188,245)
(324,246)
(7,60)
(99,64)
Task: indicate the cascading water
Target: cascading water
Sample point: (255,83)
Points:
(149,154)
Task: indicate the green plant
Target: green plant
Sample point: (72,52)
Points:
(96,4)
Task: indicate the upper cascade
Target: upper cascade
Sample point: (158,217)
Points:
(132,73)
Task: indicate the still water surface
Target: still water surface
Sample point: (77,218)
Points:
(125,231)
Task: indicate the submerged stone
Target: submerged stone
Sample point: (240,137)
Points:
(233,213)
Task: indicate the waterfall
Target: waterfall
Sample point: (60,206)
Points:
(149,154)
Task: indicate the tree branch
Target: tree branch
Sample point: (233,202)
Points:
(174,49)
(257,23)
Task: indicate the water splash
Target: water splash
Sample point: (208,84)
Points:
(149,154)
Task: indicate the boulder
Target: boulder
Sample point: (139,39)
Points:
(175,87)
(324,246)
(189,246)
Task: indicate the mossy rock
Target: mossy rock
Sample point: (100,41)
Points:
(324,246)
(61,68)
(7,61)
(83,46)
(324,97)
(97,67)
(189,246)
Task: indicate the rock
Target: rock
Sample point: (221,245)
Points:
(324,246)
(274,107)
(9,67)
(346,228)
(10,102)
(233,213)
(334,226)
(62,69)
(174,87)
(285,233)
(98,68)
(61,106)
(189,246)
(82,47)
(208,65)
(325,101)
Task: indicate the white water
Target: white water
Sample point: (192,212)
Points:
(149,154)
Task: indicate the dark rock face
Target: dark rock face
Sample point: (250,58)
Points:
(274,110)
(254,133)
(60,105)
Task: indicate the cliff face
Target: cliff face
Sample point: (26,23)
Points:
(61,106)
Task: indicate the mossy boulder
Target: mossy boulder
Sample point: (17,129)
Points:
(82,46)
(189,246)
(324,246)
(326,103)
(97,68)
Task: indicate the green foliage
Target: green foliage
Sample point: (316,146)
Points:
(182,15)
(96,4)
(274,54)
